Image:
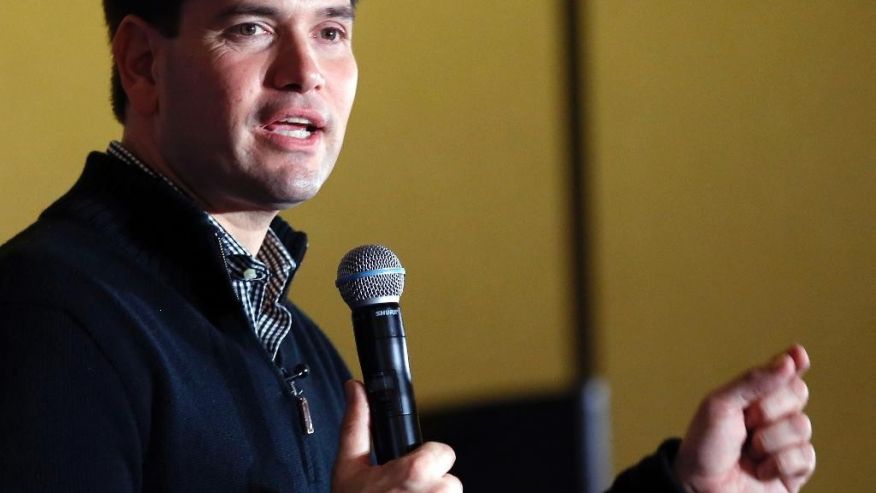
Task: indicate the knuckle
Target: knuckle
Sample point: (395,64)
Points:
(794,485)
(716,405)
(796,462)
(442,453)
(450,484)
(809,454)
(801,390)
(417,469)
(803,425)
(786,462)
(456,482)
(769,408)
(450,453)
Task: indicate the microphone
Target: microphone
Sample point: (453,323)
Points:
(371,280)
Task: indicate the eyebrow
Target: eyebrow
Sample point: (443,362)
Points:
(248,9)
(344,12)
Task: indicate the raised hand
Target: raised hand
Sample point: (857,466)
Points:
(751,435)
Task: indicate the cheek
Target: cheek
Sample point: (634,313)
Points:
(229,95)
(225,86)
(345,81)
(192,92)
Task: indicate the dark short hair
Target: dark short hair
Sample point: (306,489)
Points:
(162,14)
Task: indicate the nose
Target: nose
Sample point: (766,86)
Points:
(296,68)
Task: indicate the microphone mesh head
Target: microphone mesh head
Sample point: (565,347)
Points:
(370,274)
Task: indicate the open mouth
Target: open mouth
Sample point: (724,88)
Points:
(294,127)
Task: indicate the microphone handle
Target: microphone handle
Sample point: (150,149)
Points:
(383,356)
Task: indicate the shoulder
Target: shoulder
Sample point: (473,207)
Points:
(48,259)
(54,247)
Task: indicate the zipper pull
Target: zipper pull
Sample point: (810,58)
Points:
(306,420)
(300,371)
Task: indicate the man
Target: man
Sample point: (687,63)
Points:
(147,343)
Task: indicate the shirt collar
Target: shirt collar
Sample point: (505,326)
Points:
(272,247)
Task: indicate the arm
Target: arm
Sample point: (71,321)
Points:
(653,474)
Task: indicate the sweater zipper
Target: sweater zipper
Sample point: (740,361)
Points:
(224,261)
(300,371)
(302,404)
(305,419)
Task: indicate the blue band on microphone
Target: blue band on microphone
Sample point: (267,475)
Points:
(369,273)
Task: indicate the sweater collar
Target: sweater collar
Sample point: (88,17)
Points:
(164,231)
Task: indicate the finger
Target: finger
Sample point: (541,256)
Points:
(449,484)
(758,382)
(355,441)
(794,484)
(455,483)
(788,399)
(790,464)
(424,466)
(801,358)
(792,431)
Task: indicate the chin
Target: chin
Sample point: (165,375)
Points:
(292,196)
(298,185)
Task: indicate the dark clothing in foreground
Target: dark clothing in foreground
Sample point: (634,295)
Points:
(653,474)
(128,365)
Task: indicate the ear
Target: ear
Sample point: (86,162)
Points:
(134,53)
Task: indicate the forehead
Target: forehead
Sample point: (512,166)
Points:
(230,8)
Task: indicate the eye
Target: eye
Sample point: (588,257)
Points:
(249,29)
(332,34)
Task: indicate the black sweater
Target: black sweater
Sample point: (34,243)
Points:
(127,364)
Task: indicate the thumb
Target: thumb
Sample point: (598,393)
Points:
(355,441)
(758,382)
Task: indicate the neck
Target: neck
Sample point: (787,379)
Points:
(249,228)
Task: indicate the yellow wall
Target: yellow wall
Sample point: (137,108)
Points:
(735,180)
(733,167)
(55,102)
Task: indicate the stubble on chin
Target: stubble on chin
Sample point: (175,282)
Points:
(306,187)
(291,188)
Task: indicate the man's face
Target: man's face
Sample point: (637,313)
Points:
(253,99)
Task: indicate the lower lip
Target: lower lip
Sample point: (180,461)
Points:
(288,143)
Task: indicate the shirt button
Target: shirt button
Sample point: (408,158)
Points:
(249,274)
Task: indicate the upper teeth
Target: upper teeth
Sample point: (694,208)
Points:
(298,120)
